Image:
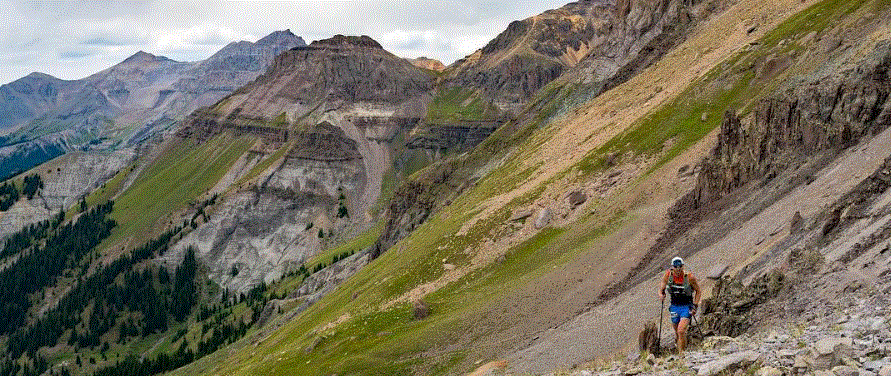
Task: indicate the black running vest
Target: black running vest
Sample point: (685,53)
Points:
(681,294)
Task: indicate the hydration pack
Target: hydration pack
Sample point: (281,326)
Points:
(681,293)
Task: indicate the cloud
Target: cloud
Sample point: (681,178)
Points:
(102,41)
(412,39)
(72,40)
(76,54)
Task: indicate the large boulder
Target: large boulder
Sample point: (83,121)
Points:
(830,352)
(729,363)
(542,219)
(577,198)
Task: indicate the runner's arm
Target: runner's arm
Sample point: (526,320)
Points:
(662,285)
(695,284)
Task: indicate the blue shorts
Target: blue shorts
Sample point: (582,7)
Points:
(678,312)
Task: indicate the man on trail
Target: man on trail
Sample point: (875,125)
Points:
(681,286)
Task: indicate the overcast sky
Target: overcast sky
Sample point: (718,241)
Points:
(72,40)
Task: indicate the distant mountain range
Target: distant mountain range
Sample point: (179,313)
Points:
(41,115)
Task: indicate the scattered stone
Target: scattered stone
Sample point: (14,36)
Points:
(802,361)
(729,363)
(768,371)
(885,370)
(845,371)
(752,29)
(651,359)
(421,310)
(703,117)
(797,223)
(521,215)
(853,286)
(717,271)
(718,342)
(577,198)
(872,365)
(544,216)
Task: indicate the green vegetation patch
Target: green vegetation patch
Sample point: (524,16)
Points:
(457,104)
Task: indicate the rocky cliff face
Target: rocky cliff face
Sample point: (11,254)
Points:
(602,40)
(592,44)
(262,232)
(333,74)
(428,63)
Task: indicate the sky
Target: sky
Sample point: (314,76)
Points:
(71,39)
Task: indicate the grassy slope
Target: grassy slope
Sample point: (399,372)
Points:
(458,104)
(372,341)
(182,174)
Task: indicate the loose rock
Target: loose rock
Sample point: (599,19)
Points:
(544,216)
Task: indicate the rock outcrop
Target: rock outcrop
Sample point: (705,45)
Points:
(330,74)
(338,105)
(828,114)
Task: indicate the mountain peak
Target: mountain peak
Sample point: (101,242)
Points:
(428,63)
(348,40)
(41,76)
(142,56)
(280,37)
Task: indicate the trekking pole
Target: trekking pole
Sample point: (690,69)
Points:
(659,337)
(696,325)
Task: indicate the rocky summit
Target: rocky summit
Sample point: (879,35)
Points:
(335,209)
